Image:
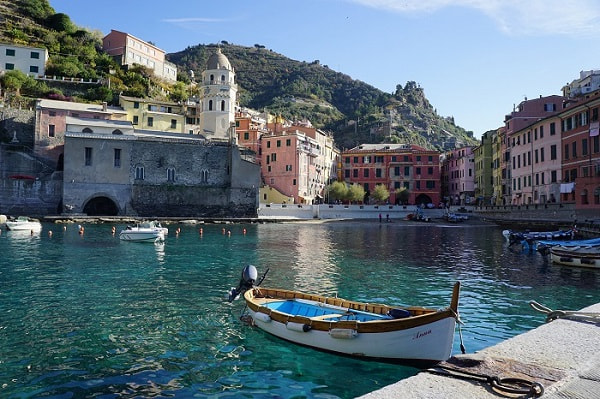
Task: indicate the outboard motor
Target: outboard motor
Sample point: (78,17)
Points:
(247,281)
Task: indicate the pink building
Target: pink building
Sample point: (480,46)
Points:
(458,174)
(289,164)
(50,124)
(536,162)
(127,50)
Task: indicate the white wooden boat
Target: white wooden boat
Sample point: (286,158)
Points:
(23,223)
(580,256)
(415,335)
(143,232)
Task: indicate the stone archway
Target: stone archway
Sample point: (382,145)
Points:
(101,206)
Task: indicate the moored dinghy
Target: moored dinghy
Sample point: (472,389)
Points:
(411,334)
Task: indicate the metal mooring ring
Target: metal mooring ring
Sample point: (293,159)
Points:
(518,386)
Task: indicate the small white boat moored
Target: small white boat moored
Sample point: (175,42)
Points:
(24,223)
(579,256)
(142,232)
(414,334)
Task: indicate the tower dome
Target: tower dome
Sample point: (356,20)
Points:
(218,60)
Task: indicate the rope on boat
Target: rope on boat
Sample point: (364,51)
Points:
(587,317)
(507,387)
(459,322)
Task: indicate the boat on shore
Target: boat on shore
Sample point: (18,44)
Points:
(413,334)
(143,232)
(579,256)
(23,223)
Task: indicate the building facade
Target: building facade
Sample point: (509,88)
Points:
(580,126)
(398,167)
(458,176)
(29,60)
(483,169)
(149,114)
(128,50)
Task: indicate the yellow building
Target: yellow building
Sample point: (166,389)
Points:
(149,114)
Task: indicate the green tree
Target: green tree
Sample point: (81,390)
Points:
(337,191)
(380,193)
(60,22)
(402,195)
(13,81)
(356,193)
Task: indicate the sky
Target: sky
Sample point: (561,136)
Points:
(475,59)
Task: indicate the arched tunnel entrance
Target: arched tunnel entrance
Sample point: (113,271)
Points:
(101,206)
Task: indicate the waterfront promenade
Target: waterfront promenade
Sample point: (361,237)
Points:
(562,355)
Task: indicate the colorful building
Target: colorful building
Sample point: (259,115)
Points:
(397,167)
(580,126)
(483,169)
(535,162)
(458,176)
(128,50)
(149,114)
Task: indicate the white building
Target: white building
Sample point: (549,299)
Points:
(29,60)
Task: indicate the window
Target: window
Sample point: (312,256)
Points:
(139,173)
(88,156)
(355,160)
(117,162)
(10,52)
(294,182)
(553,176)
(204,175)
(51,130)
(566,151)
(366,172)
(553,152)
(552,129)
(355,172)
(171,174)
(136,105)
(396,170)
(430,171)
(35,55)
(430,184)
(34,69)
(268,144)
(541,154)
(584,147)
(273,157)
(574,148)
(418,158)
(173,123)
(222,105)
(288,142)
(278,143)
(288,168)
(135,119)
(378,172)
(210,104)
(418,171)
(246,136)
(9,67)
(347,173)
(87,130)
(407,171)
(150,121)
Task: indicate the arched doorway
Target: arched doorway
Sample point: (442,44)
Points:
(101,206)
(423,199)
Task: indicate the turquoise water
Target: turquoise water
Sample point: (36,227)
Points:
(91,316)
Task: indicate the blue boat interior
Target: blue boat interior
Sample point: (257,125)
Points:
(295,308)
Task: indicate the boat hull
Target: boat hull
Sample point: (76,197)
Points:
(588,257)
(142,236)
(23,226)
(425,337)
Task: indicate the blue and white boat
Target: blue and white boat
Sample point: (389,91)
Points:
(543,246)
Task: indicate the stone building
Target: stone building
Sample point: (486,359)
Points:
(112,169)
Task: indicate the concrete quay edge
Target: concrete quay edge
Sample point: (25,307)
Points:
(566,348)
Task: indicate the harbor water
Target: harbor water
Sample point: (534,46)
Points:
(87,315)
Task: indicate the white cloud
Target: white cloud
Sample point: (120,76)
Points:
(514,17)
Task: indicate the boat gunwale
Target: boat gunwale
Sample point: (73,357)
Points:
(420,316)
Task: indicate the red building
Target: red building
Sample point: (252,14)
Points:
(581,152)
(396,166)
